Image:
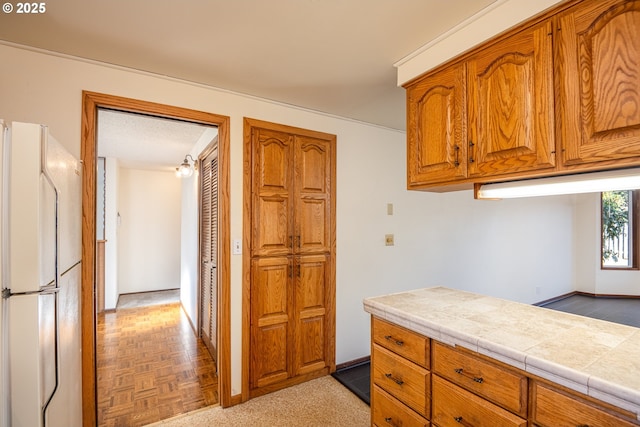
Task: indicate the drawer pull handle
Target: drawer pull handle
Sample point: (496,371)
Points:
(477,379)
(582,425)
(396,380)
(390,338)
(389,421)
(461,421)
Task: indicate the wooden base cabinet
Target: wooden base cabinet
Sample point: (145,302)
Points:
(416,380)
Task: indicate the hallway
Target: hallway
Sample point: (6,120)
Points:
(150,365)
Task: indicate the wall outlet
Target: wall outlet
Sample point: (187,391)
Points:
(237,247)
(388,240)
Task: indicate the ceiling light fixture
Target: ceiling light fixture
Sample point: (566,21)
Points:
(185,170)
(614,180)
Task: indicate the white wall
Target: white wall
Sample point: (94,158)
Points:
(589,276)
(501,248)
(111,291)
(149,203)
(189,261)
(516,249)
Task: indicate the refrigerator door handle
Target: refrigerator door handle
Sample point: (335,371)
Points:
(49,179)
(6,293)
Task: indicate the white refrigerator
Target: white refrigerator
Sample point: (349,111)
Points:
(40,335)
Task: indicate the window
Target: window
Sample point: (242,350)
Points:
(619,229)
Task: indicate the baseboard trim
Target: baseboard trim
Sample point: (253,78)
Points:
(352,363)
(555,299)
(586,294)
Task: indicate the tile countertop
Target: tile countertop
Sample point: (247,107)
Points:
(594,357)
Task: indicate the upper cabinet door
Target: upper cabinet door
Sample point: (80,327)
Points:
(272,189)
(598,57)
(511,106)
(312,195)
(436,127)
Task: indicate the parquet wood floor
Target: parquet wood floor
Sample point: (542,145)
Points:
(151,366)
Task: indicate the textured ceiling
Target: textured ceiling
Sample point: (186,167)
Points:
(144,142)
(333,56)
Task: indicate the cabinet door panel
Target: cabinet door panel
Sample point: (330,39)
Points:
(388,411)
(270,314)
(273,155)
(311,313)
(436,127)
(312,195)
(504,387)
(598,56)
(552,408)
(511,105)
(454,406)
(406,381)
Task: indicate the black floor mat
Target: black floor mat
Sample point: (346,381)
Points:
(357,379)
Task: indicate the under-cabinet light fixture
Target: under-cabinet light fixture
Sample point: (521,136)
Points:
(593,182)
(185,170)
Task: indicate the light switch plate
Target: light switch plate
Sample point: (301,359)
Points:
(237,247)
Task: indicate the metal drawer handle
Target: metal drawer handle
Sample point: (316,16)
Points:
(390,338)
(477,379)
(461,421)
(396,380)
(389,421)
(582,425)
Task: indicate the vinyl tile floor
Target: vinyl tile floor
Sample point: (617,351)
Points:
(618,310)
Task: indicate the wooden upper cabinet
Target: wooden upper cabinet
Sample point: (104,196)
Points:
(511,106)
(312,195)
(598,61)
(436,127)
(272,188)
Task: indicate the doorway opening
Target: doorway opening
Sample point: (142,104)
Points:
(92,102)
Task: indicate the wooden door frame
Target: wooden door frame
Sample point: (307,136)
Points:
(248,126)
(91,101)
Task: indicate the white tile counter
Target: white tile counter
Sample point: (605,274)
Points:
(594,357)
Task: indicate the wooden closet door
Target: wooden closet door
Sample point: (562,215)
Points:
(312,204)
(312,297)
(272,189)
(208,252)
(271,330)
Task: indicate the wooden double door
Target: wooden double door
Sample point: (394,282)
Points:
(292,264)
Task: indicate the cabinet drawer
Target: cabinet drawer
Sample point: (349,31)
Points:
(454,407)
(552,408)
(490,381)
(390,412)
(408,344)
(404,380)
